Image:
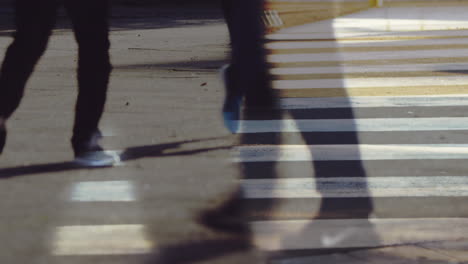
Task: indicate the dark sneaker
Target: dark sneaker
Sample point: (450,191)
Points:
(232,102)
(224,222)
(229,217)
(2,134)
(97,159)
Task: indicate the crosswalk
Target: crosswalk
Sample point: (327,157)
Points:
(101,238)
(392,103)
(369,150)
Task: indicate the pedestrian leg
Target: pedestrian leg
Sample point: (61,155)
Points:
(90,24)
(34,22)
(249,70)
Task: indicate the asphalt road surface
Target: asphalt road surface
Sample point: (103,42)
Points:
(364,162)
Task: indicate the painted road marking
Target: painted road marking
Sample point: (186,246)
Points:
(366,55)
(103,191)
(101,240)
(291,45)
(422,82)
(400,24)
(392,19)
(273,153)
(337,63)
(350,69)
(363,35)
(374,101)
(355,233)
(351,125)
(352,187)
(373,91)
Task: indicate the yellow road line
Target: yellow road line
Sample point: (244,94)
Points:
(376,3)
(374,91)
(425,3)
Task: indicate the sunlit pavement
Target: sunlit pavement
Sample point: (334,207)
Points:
(403,144)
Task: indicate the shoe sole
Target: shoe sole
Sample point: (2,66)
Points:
(87,163)
(112,160)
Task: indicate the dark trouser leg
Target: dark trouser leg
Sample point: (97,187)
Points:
(249,72)
(90,24)
(34,22)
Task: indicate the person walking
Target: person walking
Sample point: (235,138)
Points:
(34,22)
(247,87)
(246,78)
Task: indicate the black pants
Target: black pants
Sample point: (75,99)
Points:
(249,70)
(35,20)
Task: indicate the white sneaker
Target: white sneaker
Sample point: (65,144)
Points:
(97,159)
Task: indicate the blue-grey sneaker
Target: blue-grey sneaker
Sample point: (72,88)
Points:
(232,102)
(91,154)
(98,158)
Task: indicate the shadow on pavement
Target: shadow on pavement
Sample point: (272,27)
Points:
(132,153)
(196,251)
(195,65)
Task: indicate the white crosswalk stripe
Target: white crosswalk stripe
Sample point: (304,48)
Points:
(350,43)
(354,125)
(355,69)
(367,55)
(108,191)
(335,187)
(420,82)
(373,101)
(272,153)
(360,35)
(100,240)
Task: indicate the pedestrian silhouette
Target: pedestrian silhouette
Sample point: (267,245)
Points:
(34,23)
